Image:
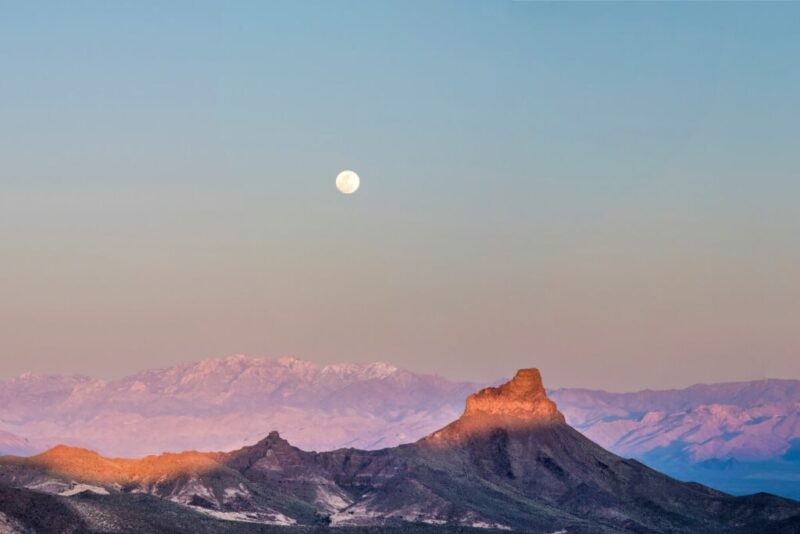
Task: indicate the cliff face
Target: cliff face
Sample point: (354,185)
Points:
(522,397)
(521,403)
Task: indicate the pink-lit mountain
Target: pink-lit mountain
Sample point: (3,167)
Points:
(742,437)
(508,463)
(745,420)
(222,404)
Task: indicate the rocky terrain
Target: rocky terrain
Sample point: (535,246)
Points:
(740,437)
(509,462)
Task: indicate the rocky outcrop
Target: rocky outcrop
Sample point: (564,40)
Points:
(520,403)
(523,397)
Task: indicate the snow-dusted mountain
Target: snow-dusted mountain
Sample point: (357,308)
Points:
(744,420)
(221,404)
(741,437)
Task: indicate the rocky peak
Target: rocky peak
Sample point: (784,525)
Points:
(519,403)
(521,397)
(270,455)
(273,441)
(273,438)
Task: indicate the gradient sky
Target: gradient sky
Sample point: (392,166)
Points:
(606,191)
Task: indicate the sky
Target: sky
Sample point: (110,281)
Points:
(606,191)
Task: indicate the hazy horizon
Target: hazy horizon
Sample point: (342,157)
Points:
(607,192)
(479,380)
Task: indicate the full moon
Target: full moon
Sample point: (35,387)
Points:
(347,182)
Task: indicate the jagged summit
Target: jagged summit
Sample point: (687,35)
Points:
(519,403)
(274,436)
(523,397)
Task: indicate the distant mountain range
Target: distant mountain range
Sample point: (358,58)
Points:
(739,437)
(509,462)
(222,404)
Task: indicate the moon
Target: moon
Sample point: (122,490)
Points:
(347,182)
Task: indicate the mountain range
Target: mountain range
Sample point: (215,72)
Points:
(219,404)
(509,462)
(739,437)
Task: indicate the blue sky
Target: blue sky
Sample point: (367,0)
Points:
(598,189)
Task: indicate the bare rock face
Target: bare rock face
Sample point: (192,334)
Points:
(522,397)
(518,404)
